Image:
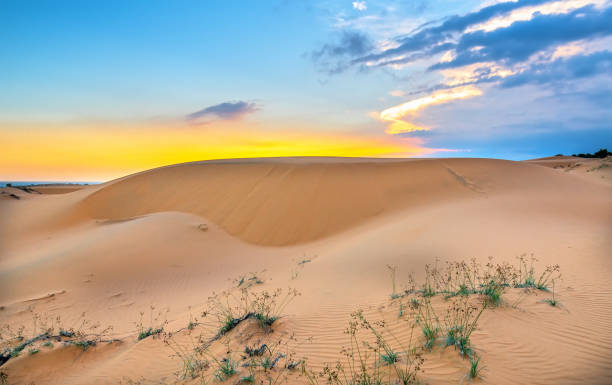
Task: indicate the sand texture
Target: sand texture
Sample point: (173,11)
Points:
(148,250)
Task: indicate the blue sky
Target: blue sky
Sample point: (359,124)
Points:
(506,79)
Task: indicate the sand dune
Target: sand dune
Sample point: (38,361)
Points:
(284,202)
(172,236)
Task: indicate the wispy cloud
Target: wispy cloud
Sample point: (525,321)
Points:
(519,41)
(224,111)
(564,68)
(497,40)
(335,57)
(505,44)
(432,39)
(397,116)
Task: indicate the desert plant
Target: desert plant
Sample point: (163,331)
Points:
(552,301)
(460,321)
(389,357)
(268,307)
(230,309)
(248,280)
(493,291)
(429,323)
(428,290)
(527,275)
(371,363)
(85,335)
(392,271)
(194,362)
(156,324)
(474,369)
(226,367)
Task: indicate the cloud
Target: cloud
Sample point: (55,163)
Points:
(396,115)
(522,39)
(360,5)
(504,33)
(430,38)
(335,57)
(566,68)
(352,43)
(223,111)
(538,44)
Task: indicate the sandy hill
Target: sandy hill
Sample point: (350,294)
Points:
(289,201)
(328,227)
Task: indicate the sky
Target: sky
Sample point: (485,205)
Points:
(95,90)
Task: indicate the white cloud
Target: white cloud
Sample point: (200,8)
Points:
(360,5)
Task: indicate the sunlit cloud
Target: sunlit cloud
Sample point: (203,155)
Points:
(474,73)
(397,93)
(448,57)
(568,50)
(527,13)
(401,126)
(397,115)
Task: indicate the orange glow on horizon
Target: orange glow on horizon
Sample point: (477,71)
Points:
(103,153)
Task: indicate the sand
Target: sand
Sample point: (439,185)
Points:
(328,227)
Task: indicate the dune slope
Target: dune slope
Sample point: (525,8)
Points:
(289,201)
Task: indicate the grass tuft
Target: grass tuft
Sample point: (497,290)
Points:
(148,333)
(390,357)
(474,369)
(428,321)
(226,368)
(493,292)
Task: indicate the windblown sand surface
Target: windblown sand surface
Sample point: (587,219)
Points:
(327,227)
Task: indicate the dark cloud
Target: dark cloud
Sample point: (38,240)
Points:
(334,58)
(506,46)
(428,39)
(556,72)
(351,44)
(223,111)
(575,67)
(520,40)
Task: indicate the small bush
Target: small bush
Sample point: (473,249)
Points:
(460,321)
(226,368)
(265,307)
(493,291)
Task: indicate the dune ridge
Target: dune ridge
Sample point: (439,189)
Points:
(278,202)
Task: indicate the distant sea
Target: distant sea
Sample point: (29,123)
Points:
(40,182)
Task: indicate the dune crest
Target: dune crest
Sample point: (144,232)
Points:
(288,201)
